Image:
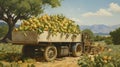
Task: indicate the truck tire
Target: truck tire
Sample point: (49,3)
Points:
(28,51)
(76,50)
(50,53)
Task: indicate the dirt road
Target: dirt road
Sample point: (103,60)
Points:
(60,62)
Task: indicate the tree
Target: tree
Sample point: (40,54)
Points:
(89,33)
(115,36)
(13,10)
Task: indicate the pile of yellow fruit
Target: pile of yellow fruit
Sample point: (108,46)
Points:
(51,23)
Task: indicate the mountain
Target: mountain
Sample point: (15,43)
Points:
(102,29)
(1,23)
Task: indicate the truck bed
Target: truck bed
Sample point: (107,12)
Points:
(30,37)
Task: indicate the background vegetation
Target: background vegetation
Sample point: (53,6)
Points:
(115,36)
(3,30)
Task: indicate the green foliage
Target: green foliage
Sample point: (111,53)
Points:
(98,38)
(108,40)
(109,58)
(89,33)
(1,64)
(13,53)
(13,10)
(10,48)
(115,36)
(26,8)
(10,57)
(3,30)
(30,65)
(16,64)
(10,52)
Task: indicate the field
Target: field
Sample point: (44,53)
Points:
(11,56)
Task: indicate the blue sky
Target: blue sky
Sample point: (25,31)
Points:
(89,12)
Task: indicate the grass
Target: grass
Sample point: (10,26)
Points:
(9,52)
(10,48)
(11,56)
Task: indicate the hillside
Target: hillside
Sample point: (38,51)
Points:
(1,23)
(102,29)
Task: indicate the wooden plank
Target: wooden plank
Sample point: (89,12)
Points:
(46,37)
(25,37)
(30,37)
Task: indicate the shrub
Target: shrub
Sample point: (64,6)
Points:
(108,41)
(108,58)
(115,36)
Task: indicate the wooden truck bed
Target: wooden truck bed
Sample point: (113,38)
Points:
(30,37)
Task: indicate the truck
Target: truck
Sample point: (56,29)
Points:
(50,46)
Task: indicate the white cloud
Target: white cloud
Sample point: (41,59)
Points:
(76,19)
(114,7)
(100,12)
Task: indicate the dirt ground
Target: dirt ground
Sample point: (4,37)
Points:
(60,62)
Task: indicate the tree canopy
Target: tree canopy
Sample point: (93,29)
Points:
(89,33)
(21,9)
(115,36)
(13,10)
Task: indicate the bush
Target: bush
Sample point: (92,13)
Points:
(108,58)
(3,30)
(98,38)
(10,57)
(115,36)
(9,52)
(108,40)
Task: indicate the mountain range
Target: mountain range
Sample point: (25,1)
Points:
(101,28)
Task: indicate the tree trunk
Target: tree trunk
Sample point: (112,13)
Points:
(8,36)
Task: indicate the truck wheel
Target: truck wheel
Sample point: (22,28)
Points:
(50,53)
(76,50)
(28,50)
